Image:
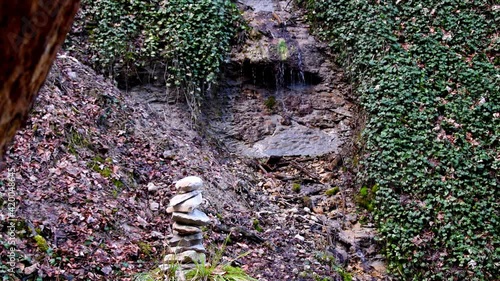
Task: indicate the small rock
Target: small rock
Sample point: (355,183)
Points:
(268,184)
(347,237)
(352,218)
(180,275)
(340,255)
(142,221)
(188,184)
(107,270)
(299,237)
(30,269)
(185,257)
(72,75)
(152,187)
(187,206)
(379,266)
(177,199)
(154,206)
(185,229)
(157,234)
(168,154)
(196,217)
(190,266)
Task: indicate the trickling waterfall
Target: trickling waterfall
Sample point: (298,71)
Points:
(280,77)
(300,65)
(254,77)
(281,100)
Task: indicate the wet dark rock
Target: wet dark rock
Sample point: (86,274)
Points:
(283,96)
(340,255)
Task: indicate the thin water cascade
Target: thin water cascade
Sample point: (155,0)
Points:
(254,77)
(280,77)
(301,67)
(283,100)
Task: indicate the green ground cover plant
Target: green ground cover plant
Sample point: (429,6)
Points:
(186,41)
(216,270)
(427,73)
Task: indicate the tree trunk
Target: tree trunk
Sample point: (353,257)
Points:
(31,32)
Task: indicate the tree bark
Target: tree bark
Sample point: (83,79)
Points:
(31,32)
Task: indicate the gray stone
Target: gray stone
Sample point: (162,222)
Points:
(379,266)
(185,241)
(188,184)
(185,257)
(107,270)
(190,266)
(187,206)
(178,199)
(152,187)
(196,217)
(175,236)
(198,248)
(154,206)
(157,234)
(295,141)
(185,229)
(341,256)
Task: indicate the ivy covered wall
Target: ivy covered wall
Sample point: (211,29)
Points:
(186,39)
(428,76)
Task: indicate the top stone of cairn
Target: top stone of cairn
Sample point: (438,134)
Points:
(189,184)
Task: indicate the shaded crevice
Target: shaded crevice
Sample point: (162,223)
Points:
(279,74)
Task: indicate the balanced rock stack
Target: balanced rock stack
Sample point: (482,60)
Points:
(186,243)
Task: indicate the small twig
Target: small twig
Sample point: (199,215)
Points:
(285,177)
(302,169)
(238,230)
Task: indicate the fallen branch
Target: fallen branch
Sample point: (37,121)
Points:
(303,170)
(239,231)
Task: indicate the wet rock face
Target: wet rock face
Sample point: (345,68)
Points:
(283,95)
(260,5)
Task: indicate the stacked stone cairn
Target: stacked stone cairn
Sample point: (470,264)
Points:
(186,242)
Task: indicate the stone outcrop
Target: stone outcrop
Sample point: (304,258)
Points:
(284,96)
(186,242)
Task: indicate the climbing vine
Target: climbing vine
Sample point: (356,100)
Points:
(188,39)
(428,76)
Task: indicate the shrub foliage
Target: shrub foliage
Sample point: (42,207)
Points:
(428,75)
(187,39)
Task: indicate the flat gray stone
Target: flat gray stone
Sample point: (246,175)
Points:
(196,217)
(188,184)
(296,141)
(185,257)
(185,241)
(178,199)
(187,206)
(185,229)
(198,248)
